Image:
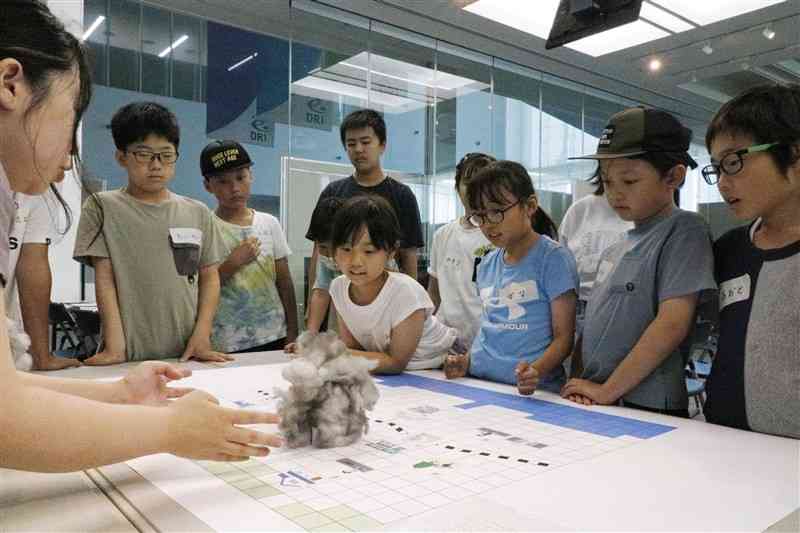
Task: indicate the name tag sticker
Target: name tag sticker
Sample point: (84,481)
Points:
(186,236)
(604,270)
(734,290)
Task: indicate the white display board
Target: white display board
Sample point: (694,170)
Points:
(471,455)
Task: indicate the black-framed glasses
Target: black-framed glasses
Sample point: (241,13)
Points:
(492,216)
(733,162)
(146,157)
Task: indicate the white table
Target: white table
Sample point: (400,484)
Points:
(116,498)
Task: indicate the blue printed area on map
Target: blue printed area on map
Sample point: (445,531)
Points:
(539,410)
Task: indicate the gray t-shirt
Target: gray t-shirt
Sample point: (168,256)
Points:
(156,251)
(664,258)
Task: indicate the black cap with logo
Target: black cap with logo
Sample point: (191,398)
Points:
(638,131)
(220,156)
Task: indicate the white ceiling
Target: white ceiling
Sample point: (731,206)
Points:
(688,78)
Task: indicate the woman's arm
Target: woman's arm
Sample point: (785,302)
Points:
(48,431)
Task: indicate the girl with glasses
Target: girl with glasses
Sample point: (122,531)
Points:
(527,285)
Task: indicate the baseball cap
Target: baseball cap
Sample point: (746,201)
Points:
(219,156)
(638,131)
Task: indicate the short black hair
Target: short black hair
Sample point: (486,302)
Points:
(321,227)
(134,122)
(364,118)
(767,113)
(470,164)
(372,212)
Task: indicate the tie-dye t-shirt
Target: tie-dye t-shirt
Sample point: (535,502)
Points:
(250,312)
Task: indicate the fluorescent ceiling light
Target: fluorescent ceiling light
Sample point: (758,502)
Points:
(243,61)
(664,19)
(619,38)
(173,46)
(519,14)
(96,24)
(395,85)
(407,73)
(704,12)
(315,87)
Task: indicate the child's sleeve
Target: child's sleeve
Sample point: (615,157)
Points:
(281,246)
(407,298)
(686,264)
(90,241)
(38,230)
(560,273)
(213,251)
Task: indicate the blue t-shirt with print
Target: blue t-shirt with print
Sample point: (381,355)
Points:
(516,320)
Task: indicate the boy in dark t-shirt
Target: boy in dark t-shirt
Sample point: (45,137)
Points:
(363,135)
(754,142)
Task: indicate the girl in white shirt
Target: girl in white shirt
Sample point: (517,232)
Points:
(384,316)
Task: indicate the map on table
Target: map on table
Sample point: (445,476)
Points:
(430,443)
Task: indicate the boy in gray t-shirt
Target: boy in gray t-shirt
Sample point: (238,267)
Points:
(155,253)
(648,286)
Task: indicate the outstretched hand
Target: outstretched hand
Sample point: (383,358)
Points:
(147,383)
(200,429)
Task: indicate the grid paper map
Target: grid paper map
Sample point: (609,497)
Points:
(430,443)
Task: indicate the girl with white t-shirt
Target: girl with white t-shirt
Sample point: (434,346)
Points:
(382,315)
(456,250)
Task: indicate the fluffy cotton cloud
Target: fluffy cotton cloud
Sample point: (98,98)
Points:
(330,392)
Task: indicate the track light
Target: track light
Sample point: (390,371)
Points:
(768,33)
(707,49)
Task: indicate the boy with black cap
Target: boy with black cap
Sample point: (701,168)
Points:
(642,306)
(257,310)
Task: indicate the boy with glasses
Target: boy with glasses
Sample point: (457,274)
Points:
(155,253)
(754,142)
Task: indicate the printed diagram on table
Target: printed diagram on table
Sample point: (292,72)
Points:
(430,443)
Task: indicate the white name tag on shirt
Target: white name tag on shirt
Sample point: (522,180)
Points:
(734,290)
(186,236)
(604,270)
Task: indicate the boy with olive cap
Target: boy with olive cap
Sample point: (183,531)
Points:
(257,310)
(642,306)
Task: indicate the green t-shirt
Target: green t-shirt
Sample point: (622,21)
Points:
(156,251)
(250,311)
